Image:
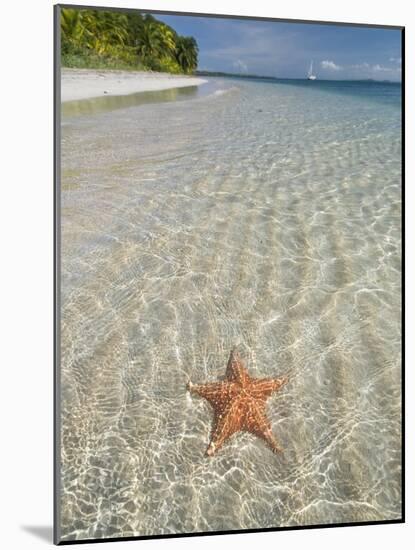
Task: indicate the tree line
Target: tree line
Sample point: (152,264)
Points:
(125,40)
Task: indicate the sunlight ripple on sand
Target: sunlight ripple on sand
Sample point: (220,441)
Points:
(267,217)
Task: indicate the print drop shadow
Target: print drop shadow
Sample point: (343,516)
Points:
(43,532)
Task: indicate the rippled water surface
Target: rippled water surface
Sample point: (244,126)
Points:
(265,216)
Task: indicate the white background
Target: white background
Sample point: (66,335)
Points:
(26,301)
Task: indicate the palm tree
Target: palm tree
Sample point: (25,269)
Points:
(149,43)
(126,38)
(187,53)
(114,27)
(104,29)
(135,23)
(168,37)
(155,41)
(71,24)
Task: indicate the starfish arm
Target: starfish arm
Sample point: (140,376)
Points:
(239,404)
(235,369)
(257,423)
(261,389)
(218,393)
(226,424)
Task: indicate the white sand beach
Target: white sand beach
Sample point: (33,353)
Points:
(79,84)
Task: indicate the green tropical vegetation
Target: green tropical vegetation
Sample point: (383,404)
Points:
(124,40)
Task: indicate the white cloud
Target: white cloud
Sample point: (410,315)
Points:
(331,65)
(259,47)
(360,66)
(376,70)
(397,60)
(380,68)
(240,66)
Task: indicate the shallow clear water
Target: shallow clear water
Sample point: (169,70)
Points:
(264,216)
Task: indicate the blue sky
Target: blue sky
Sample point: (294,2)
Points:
(285,49)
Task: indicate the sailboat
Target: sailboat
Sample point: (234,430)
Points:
(310,75)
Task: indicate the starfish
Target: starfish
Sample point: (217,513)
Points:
(239,404)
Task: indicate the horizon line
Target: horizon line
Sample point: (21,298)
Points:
(269,77)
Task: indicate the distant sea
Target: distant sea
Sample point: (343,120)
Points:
(257,214)
(383,91)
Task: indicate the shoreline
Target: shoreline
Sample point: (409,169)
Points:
(78,84)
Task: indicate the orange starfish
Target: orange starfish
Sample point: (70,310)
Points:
(239,404)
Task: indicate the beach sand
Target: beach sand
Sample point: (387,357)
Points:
(79,84)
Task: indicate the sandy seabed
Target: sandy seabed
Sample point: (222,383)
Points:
(266,217)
